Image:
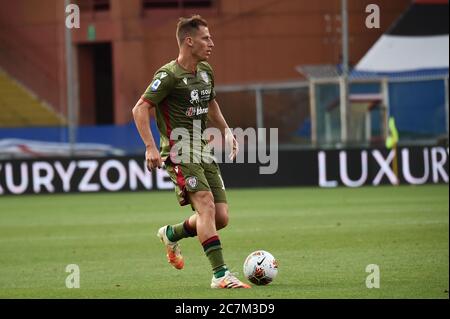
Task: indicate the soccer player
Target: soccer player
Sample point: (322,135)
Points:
(182,93)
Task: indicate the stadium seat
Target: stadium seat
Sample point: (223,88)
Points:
(19,108)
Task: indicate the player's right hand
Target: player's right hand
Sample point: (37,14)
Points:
(153,159)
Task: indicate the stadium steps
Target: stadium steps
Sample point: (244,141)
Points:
(19,107)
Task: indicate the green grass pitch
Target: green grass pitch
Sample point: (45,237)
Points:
(322,238)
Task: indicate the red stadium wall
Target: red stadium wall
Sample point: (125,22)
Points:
(31,47)
(255,41)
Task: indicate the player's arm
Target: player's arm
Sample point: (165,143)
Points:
(215,117)
(141,115)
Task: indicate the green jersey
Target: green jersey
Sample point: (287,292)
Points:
(181,99)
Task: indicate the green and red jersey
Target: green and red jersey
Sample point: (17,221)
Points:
(180,97)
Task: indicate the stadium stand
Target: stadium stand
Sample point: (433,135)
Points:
(20,108)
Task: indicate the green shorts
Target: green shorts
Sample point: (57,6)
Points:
(194,177)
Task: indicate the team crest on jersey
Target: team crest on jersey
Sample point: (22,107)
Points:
(192,181)
(195,99)
(204,76)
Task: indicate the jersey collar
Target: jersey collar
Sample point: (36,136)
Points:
(194,73)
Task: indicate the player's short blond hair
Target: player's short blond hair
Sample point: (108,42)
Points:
(188,26)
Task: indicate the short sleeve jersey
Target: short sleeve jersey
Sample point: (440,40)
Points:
(181,99)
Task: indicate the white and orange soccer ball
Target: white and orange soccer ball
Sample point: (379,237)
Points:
(260,267)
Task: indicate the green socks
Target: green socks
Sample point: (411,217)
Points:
(180,231)
(213,251)
(212,246)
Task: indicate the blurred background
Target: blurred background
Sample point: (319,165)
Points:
(328,74)
(358,90)
(277,64)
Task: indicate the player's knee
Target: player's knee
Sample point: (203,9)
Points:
(222,220)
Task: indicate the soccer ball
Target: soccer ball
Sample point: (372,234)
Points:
(260,267)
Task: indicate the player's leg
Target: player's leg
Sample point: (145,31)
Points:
(208,237)
(182,230)
(168,234)
(203,202)
(188,228)
(186,178)
(215,182)
(222,217)
(191,185)
(208,205)
(207,233)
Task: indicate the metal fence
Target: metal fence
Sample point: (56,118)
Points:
(310,114)
(285,106)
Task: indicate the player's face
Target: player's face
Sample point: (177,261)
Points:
(202,44)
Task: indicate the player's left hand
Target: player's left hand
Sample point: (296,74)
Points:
(230,140)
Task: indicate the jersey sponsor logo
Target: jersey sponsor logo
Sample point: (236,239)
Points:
(191,111)
(201,111)
(204,76)
(156,85)
(195,99)
(192,181)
